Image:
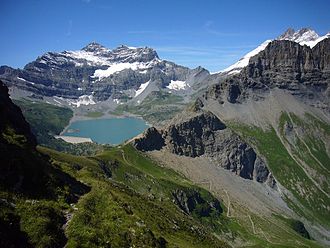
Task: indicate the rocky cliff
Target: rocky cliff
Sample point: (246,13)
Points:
(300,70)
(205,135)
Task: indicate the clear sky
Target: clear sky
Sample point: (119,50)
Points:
(210,33)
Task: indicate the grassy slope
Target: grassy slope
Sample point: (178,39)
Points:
(43,117)
(309,201)
(137,199)
(94,114)
(33,196)
(134,206)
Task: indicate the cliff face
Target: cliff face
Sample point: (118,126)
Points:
(205,135)
(301,70)
(285,62)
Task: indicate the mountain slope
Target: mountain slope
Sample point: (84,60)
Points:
(32,192)
(96,73)
(279,106)
(125,200)
(303,36)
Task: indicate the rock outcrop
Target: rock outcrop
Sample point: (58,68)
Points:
(190,201)
(205,135)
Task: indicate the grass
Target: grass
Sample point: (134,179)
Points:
(45,117)
(94,114)
(134,205)
(311,201)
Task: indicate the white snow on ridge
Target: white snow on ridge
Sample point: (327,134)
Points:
(117,101)
(177,85)
(117,67)
(142,88)
(312,43)
(303,37)
(88,56)
(233,69)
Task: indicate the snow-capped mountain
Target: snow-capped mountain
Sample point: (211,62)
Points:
(303,36)
(96,73)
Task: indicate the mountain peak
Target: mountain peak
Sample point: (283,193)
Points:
(287,34)
(94,47)
(302,35)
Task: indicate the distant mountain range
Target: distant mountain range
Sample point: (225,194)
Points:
(96,73)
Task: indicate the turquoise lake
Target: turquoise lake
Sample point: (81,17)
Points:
(107,131)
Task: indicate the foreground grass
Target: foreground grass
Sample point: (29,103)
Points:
(131,203)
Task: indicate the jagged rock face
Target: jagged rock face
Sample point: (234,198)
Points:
(12,120)
(301,70)
(284,62)
(205,135)
(194,137)
(153,140)
(98,72)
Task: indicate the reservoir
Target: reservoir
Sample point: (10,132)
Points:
(107,131)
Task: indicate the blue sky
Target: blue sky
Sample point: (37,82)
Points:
(210,33)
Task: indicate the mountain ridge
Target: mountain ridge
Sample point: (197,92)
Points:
(303,36)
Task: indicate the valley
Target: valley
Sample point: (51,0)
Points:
(121,148)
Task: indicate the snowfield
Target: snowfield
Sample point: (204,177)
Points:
(177,85)
(117,67)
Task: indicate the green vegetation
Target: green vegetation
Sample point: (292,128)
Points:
(33,194)
(296,225)
(47,120)
(94,114)
(118,197)
(158,106)
(309,199)
(131,203)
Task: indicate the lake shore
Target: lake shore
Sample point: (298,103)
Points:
(74,140)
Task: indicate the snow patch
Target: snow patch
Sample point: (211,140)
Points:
(177,85)
(83,100)
(142,88)
(116,101)
(26,80)
(79,88)
(117,67)
(90,57)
